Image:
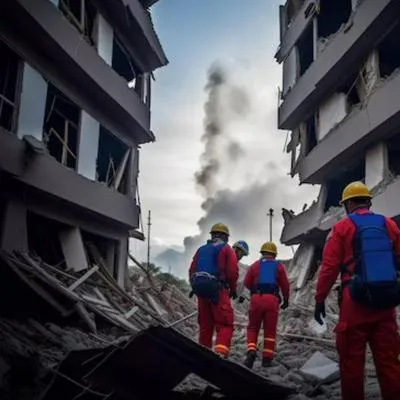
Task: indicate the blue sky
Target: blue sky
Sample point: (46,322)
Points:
(243,36)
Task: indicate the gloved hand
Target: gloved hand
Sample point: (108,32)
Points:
(233,295)
(191,294)
(241,299)
(319,311)
(285,304)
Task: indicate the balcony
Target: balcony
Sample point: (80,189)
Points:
(134,22)
(296,28)
(314,222)
(378,119)
(340,58)
(43,174)
(40,34)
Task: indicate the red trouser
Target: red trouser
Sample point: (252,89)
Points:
(219,316)
(264,308)
(384,341)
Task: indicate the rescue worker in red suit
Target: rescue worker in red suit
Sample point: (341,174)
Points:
(359,324)
(213,276)
(264,279)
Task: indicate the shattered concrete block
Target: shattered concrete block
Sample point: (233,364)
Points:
(317,328)
(320,367)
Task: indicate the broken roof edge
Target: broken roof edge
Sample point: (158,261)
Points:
(158,49)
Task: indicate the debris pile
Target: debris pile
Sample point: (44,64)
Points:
(62,332)
(46,312)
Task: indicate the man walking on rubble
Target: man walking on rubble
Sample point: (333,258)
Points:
(213,277)
(241,249)
(364,248)
(264,279)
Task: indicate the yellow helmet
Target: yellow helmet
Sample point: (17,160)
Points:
(355,190)
(220,228)
(269,247)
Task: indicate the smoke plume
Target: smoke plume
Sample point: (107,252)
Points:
(224,101)
(237,186)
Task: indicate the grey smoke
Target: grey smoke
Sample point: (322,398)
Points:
(224,101)
(213,127)
(244,210)
(235,151)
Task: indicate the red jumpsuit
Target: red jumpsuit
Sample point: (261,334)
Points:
(264,309)
(357,324)
(219,316)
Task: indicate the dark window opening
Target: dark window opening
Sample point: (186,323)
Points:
(61,127)
(389,52)
(102,244)
(350,89)
(43,239)
(9,82)
(123,63)
(305,49)
(81,14)
(394,154)
(335,186)
(311,135)
(332,15)
(110,159)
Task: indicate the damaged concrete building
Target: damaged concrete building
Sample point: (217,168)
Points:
(340,102)
(75,85)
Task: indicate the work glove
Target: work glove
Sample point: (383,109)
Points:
(191,294)
(285,304)
(319,311)
(233,295)
(241,299)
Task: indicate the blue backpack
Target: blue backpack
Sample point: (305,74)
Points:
(267,279)
(206,281)
(375,281)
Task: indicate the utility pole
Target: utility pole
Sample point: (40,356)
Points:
(270,215)
(148,240)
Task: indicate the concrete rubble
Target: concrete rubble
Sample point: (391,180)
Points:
(33,346)
(81,310)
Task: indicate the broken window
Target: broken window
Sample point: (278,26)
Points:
(10,73)
(368,76)
(81,14)
(112,161)
(389,52)
(123,63)
(61,127)
(335,186)
(332,14)
(393,145)
(125,66)
(43,239)
(305,49)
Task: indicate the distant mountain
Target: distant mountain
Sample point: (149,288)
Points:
(171,258)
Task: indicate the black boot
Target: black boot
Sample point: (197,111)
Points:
(266,362)
(250,358)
